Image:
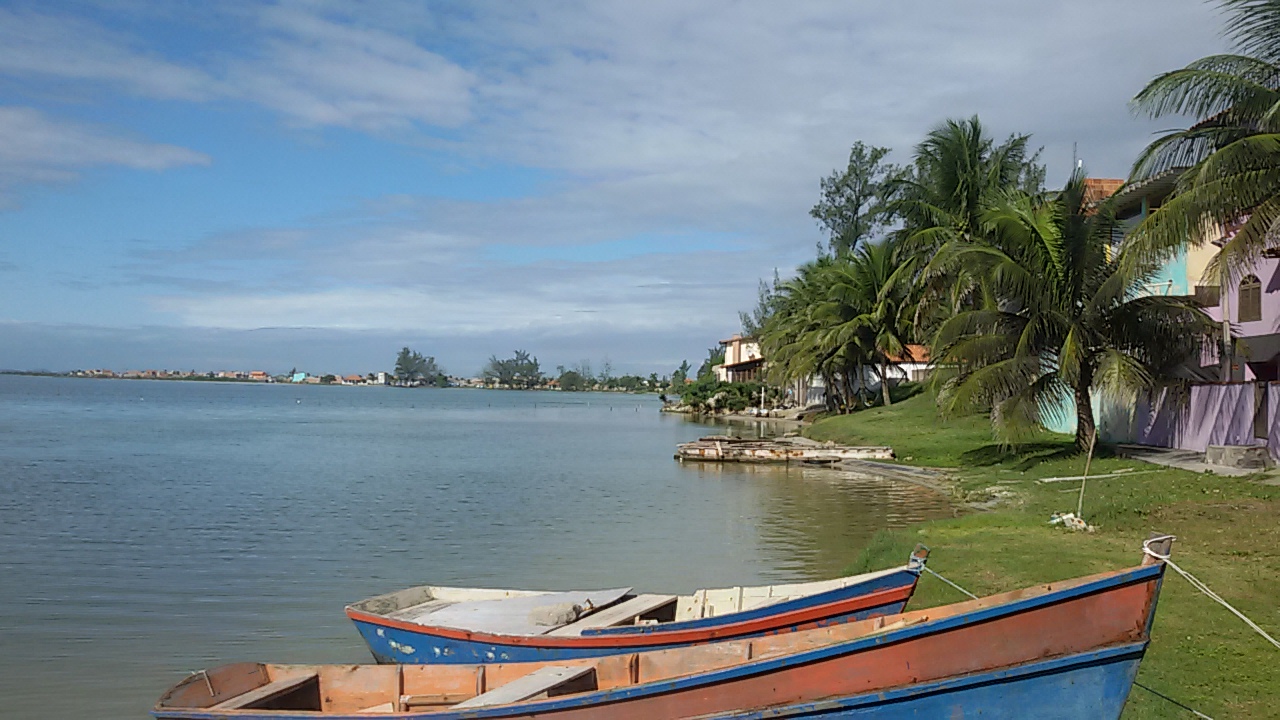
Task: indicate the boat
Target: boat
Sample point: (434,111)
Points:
(446,625)
(1066,650)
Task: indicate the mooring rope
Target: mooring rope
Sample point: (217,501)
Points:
(935,574)
(1197,584)
(1161,695)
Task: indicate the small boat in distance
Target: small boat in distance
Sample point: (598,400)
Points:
(444,625)
(1063,650)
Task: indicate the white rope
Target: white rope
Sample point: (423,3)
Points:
(931,572)
(1197,584)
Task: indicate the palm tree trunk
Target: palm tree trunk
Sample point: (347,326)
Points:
(1085,427)
(829,397)
(884,383)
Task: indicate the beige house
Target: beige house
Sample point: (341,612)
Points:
(742,360)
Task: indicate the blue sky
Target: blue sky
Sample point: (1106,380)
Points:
(315,184)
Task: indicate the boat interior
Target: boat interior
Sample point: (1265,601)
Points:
(374,689)
(526,612)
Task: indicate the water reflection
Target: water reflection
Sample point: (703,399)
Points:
(812,522)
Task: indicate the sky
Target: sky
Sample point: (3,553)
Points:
(315,184)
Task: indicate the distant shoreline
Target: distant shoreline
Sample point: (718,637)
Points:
(249,381)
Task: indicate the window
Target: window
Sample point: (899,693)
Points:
(1250,299)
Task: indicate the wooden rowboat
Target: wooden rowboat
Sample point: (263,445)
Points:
(441,625)
(1062,650)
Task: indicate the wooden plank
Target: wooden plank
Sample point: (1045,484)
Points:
(535,683)
(387,707)
(620,614)
(266,692)
(411,701)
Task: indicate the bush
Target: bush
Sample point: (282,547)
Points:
(710,394)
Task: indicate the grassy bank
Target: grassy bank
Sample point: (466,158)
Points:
(1228,535)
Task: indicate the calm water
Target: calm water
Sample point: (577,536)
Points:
(150,528)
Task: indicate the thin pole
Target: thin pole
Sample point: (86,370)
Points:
(1093,438)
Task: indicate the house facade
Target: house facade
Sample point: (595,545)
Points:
(1182,275)
(743,361)
(1234,400)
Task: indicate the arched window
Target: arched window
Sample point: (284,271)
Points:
(1250,299)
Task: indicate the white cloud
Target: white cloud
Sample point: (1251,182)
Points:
(321,71)
(41,45)
(38,149)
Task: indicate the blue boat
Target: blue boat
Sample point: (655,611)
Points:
(445,625)
(1068,650)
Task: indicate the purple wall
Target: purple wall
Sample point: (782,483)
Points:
(1215,415)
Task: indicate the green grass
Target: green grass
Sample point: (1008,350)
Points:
(1228,535)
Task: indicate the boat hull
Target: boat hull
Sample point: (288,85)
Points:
(398,642)
(1085,686)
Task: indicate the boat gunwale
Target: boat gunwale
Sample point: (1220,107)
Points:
(661,637)
(433,591)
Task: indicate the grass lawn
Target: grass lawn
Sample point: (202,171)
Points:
(1228,533)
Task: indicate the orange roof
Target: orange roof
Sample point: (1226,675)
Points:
(912,353)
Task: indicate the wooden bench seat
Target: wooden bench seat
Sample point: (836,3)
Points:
(266,692)
(523,688)
(620,614)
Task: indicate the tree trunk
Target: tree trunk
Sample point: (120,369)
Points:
(1085,427)
(884,384)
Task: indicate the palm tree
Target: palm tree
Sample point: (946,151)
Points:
(958,171)
(790,335)
(1062,317)
(867,311)
(1228,161)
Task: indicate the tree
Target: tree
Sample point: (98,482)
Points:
(1062,317)
(680,375)
(766,301)
(1228,161)
(868,300)
(571,380)
(958,171)
(413,368)
(519,371)
(715,356)
(853,205)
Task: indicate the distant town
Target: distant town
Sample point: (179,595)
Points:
(569,380)
(733,365)
(375,378)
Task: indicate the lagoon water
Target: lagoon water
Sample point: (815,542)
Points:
(152,528)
